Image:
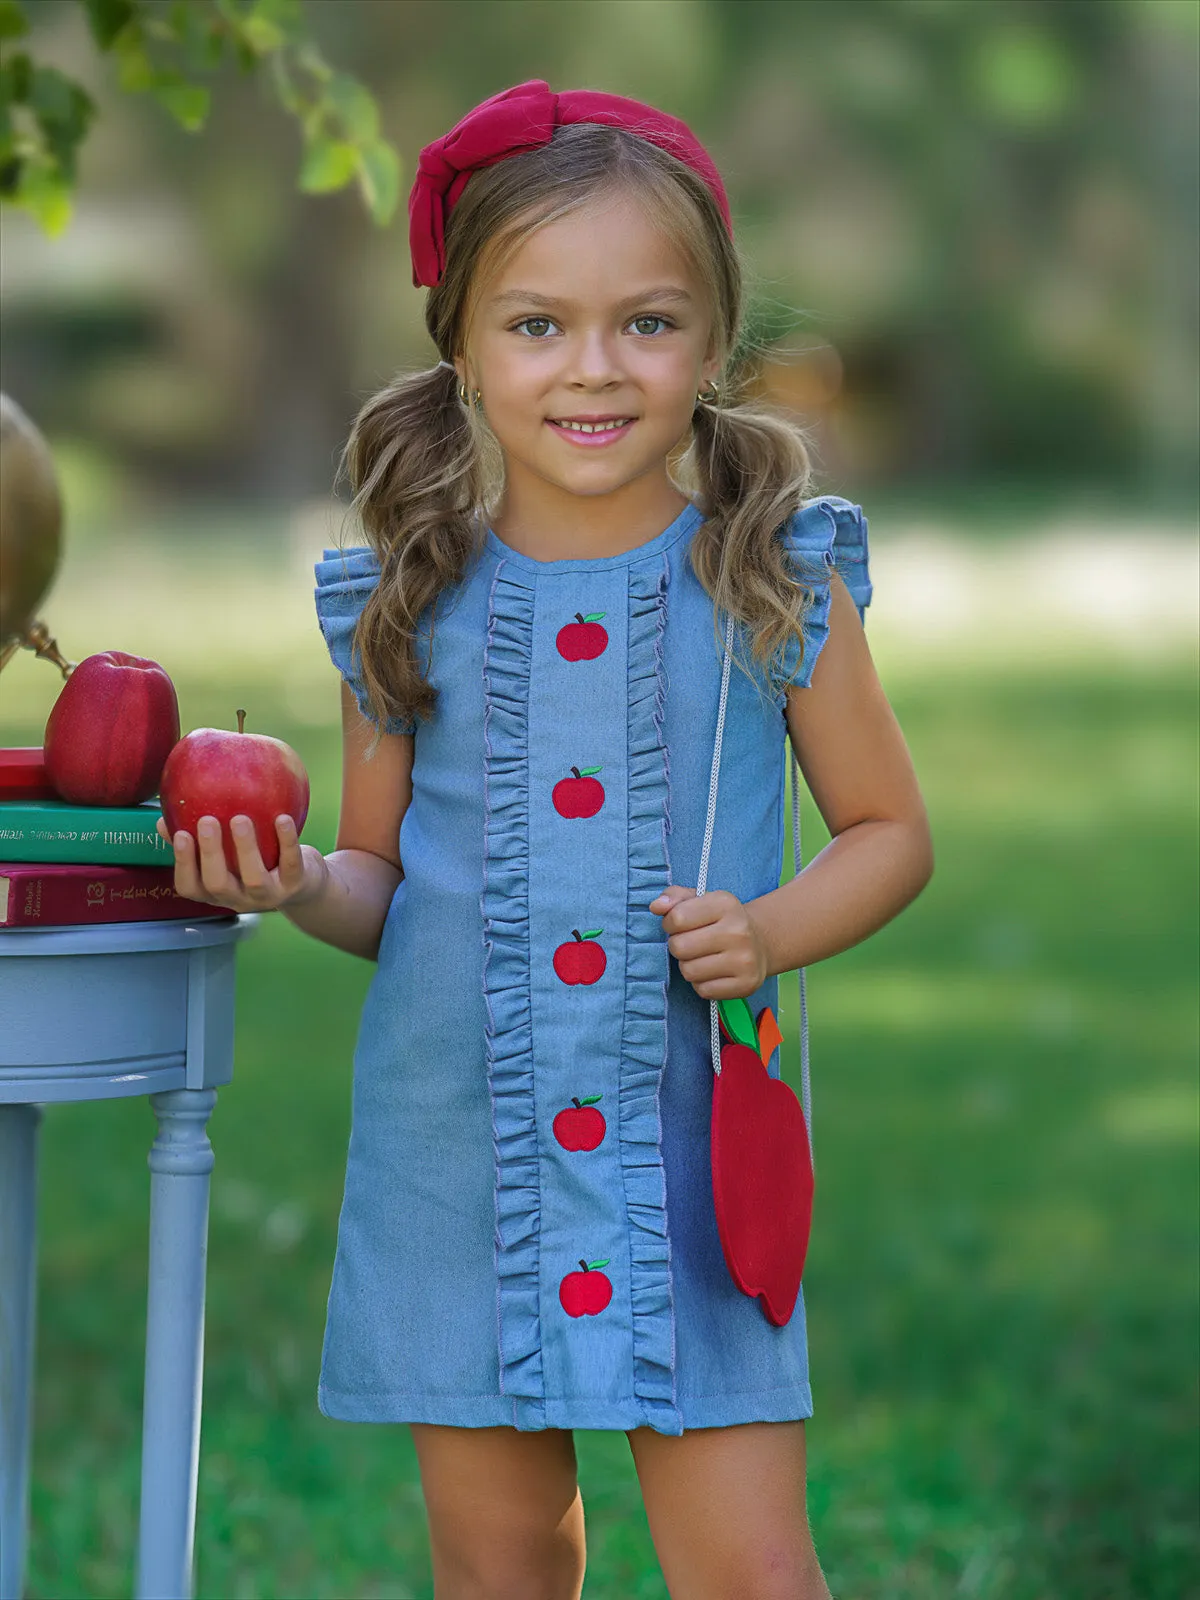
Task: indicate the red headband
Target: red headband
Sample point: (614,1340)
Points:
(521,119)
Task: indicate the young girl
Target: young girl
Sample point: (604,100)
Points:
(565,515)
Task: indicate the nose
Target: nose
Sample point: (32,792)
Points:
(594,360)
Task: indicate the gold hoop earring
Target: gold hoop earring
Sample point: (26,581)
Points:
(468,399)
(712,396)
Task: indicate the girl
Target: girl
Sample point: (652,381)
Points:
(564,516)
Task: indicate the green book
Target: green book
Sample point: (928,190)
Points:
(54,830)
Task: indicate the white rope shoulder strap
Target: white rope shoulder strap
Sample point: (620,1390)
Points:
(702,878)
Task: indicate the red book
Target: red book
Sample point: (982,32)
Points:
(23,775)
(55,894)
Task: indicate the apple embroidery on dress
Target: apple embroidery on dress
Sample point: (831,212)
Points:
(580,1126)
(581,961)
(580,796)
(587,1292)
(584,639)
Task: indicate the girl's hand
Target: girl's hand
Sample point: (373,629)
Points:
(302,871)
(715,939)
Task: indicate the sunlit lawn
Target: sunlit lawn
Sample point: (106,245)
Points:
(1002,1286)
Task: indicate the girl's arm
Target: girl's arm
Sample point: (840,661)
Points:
(342,898)
(857,766)
(349,907)
(856,763)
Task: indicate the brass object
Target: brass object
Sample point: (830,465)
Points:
(30,536)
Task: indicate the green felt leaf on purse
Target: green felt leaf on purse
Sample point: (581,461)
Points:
(739,1022)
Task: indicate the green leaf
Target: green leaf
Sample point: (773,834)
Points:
(13,21)
(593,934)
(591,1100)
(16,77)
(285,15)
(586,772)
(593,1266)
(135,70)
(187,102)
(45,195)
(379,179)
(262,36)
(201,37)
(107,19)
(739,1022)
(355,106)
(328,164)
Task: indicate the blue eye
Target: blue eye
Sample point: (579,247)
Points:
(534,327)
(639,325)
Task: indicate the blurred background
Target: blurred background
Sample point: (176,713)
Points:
(971,231)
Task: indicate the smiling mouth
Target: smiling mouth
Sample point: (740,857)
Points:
(608,425)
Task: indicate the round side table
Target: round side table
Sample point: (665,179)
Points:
(96,1013)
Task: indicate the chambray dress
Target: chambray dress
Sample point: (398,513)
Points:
(486,1017)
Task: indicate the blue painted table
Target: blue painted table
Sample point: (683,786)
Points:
(95,1013)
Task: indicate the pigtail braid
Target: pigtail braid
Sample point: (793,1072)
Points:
(413,465)
(750,470)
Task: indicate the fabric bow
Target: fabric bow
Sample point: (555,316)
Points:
(519,119)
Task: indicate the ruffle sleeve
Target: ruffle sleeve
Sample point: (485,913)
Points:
(825,534)
(345,579)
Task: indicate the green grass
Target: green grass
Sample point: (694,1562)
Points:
(1002,1286)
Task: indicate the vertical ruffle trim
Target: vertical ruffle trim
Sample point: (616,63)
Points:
(504,903)
(644,1034)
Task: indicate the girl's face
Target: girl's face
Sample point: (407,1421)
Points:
(588,347)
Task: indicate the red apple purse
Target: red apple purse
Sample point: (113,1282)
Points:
(762,1172)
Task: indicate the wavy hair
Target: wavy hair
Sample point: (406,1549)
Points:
(426,470)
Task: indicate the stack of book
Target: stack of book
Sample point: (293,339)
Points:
(62,864)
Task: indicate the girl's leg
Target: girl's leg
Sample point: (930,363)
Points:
(727,1513)
(505,1513)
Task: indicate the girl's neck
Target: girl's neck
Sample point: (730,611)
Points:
(547,523)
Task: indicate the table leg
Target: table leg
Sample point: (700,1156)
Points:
(181,1159)
(18,1240)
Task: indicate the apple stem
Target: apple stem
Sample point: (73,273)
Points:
(241,716)
(575,770)
(583,1264)
(579,616)
(575,1102)
(576,933)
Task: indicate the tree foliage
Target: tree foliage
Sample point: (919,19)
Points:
(166,51)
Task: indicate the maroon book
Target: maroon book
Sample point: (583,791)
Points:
(23,775)
(55,894)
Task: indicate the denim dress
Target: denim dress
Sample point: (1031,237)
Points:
(527,1235)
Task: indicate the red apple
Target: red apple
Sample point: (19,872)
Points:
(110,730)
(213,772)
(580,1126)
(584,639)
(581,962)
(583,1294)
(580,796)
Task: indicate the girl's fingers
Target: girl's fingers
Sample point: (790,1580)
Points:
(187,876)
(253,873)
(214,873)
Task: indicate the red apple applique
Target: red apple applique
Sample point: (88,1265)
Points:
(581,961)
(761,1165)
(580,796)
(585,1293)
(584,639)
(580,1126)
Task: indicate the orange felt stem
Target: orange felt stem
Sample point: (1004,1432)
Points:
(768,1033)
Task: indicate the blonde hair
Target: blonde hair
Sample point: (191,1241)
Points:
(426,470)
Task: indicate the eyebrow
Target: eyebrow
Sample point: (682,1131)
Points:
(664,294)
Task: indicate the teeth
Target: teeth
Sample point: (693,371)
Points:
(595,427)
